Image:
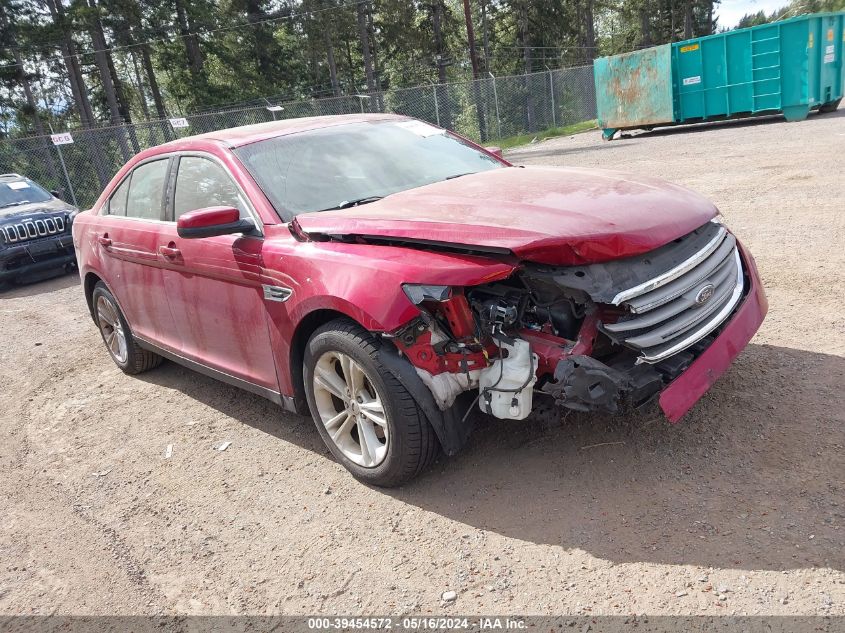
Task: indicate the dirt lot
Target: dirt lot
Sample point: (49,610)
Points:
(591,515)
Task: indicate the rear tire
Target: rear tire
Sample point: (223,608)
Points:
(121,345)
(353,396)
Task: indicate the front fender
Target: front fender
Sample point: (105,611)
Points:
(361,281)
(376,313)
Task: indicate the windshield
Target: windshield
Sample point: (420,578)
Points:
(346,165)
(17,191)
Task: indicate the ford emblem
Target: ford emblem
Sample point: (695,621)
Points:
(705,294)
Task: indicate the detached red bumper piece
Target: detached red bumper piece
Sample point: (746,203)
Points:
(687,389)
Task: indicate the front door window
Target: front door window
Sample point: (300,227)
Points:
(203,183)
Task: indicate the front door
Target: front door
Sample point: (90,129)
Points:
(214,284)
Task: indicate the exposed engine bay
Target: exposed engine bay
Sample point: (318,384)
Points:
(595,337)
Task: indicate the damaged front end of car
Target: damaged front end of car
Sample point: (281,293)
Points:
(606,336)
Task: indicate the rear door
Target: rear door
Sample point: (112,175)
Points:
(214,283)
(129,233)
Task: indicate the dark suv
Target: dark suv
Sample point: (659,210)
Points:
(35,239)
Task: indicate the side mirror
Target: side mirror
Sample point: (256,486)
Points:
(212,221)
(56,193)
(496,151)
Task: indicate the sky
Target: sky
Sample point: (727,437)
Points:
(730,11)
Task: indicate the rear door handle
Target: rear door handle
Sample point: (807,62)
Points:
(104,240)
(169,252)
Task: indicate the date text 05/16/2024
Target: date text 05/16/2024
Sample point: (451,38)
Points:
(457,623)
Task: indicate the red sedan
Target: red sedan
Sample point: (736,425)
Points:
(385,276)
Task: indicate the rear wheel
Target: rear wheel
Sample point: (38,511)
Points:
(121,345)
(369,421)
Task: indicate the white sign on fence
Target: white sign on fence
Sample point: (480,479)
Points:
(178,123)
(64,138)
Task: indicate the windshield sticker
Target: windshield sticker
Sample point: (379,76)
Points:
(419,128)
(17,185)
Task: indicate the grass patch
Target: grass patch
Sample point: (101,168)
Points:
(524,139)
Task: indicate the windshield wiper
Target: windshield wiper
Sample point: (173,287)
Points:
(13,204)
(468,173)
(354,203)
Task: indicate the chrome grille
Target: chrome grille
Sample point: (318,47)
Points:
(32,229)
(683,305)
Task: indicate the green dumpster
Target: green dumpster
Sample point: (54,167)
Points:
(791,66)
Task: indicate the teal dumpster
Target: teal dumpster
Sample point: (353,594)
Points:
(791,66)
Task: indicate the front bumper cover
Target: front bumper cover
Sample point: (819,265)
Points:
(583,383)
(683,392)
(21,261)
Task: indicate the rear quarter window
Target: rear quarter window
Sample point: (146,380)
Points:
(117,202)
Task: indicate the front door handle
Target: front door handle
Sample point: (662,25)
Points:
(104,240)
(169,252)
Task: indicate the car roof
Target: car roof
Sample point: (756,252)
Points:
(246,134)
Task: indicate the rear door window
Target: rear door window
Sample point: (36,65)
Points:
(146,191)
(202,183)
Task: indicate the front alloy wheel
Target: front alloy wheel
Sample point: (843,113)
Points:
(366,417)
(351,409)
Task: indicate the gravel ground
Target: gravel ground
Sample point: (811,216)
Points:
(738,509)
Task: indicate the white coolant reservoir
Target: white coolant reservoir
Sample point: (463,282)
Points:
(507,385)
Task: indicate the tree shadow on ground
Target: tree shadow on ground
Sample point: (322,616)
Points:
(750,479)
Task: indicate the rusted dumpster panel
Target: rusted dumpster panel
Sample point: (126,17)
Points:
(635,89)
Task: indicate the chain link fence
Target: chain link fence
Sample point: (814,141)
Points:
(484,110)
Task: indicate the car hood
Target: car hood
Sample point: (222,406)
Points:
(558,216)
(35,208)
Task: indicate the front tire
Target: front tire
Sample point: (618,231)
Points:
(366,417)
(121,345)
